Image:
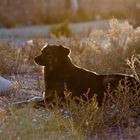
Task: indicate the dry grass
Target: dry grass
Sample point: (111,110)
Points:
(73,121)
(47,11)
(60,30)
(102,51)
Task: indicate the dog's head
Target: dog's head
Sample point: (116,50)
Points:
(52,56)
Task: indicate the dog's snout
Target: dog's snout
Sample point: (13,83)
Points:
(37,59)
(40,60)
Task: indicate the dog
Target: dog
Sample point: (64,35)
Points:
(59,71)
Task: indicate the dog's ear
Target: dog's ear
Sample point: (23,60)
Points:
(64,51)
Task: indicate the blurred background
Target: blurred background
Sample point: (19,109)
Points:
(15,13)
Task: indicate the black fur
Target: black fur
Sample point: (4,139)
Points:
(60,71)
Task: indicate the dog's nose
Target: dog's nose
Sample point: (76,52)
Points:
(36,59)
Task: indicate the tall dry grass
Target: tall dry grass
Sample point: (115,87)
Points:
(106,51)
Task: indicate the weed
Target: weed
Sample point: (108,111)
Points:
(60,30)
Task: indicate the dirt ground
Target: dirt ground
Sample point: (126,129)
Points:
(26,86)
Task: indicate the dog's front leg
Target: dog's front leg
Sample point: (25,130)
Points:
(48,95)
(52,97)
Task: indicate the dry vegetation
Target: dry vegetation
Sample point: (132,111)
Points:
(48,11)
(103,52)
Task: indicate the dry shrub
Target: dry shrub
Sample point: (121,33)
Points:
(8,59)
(134,63)
(16,60)
(60,30)
(105,51)
(123,105)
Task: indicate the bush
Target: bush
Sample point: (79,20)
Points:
(60,30)
(105,51)
(15,60)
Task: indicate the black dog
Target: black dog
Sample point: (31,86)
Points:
(60,71)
